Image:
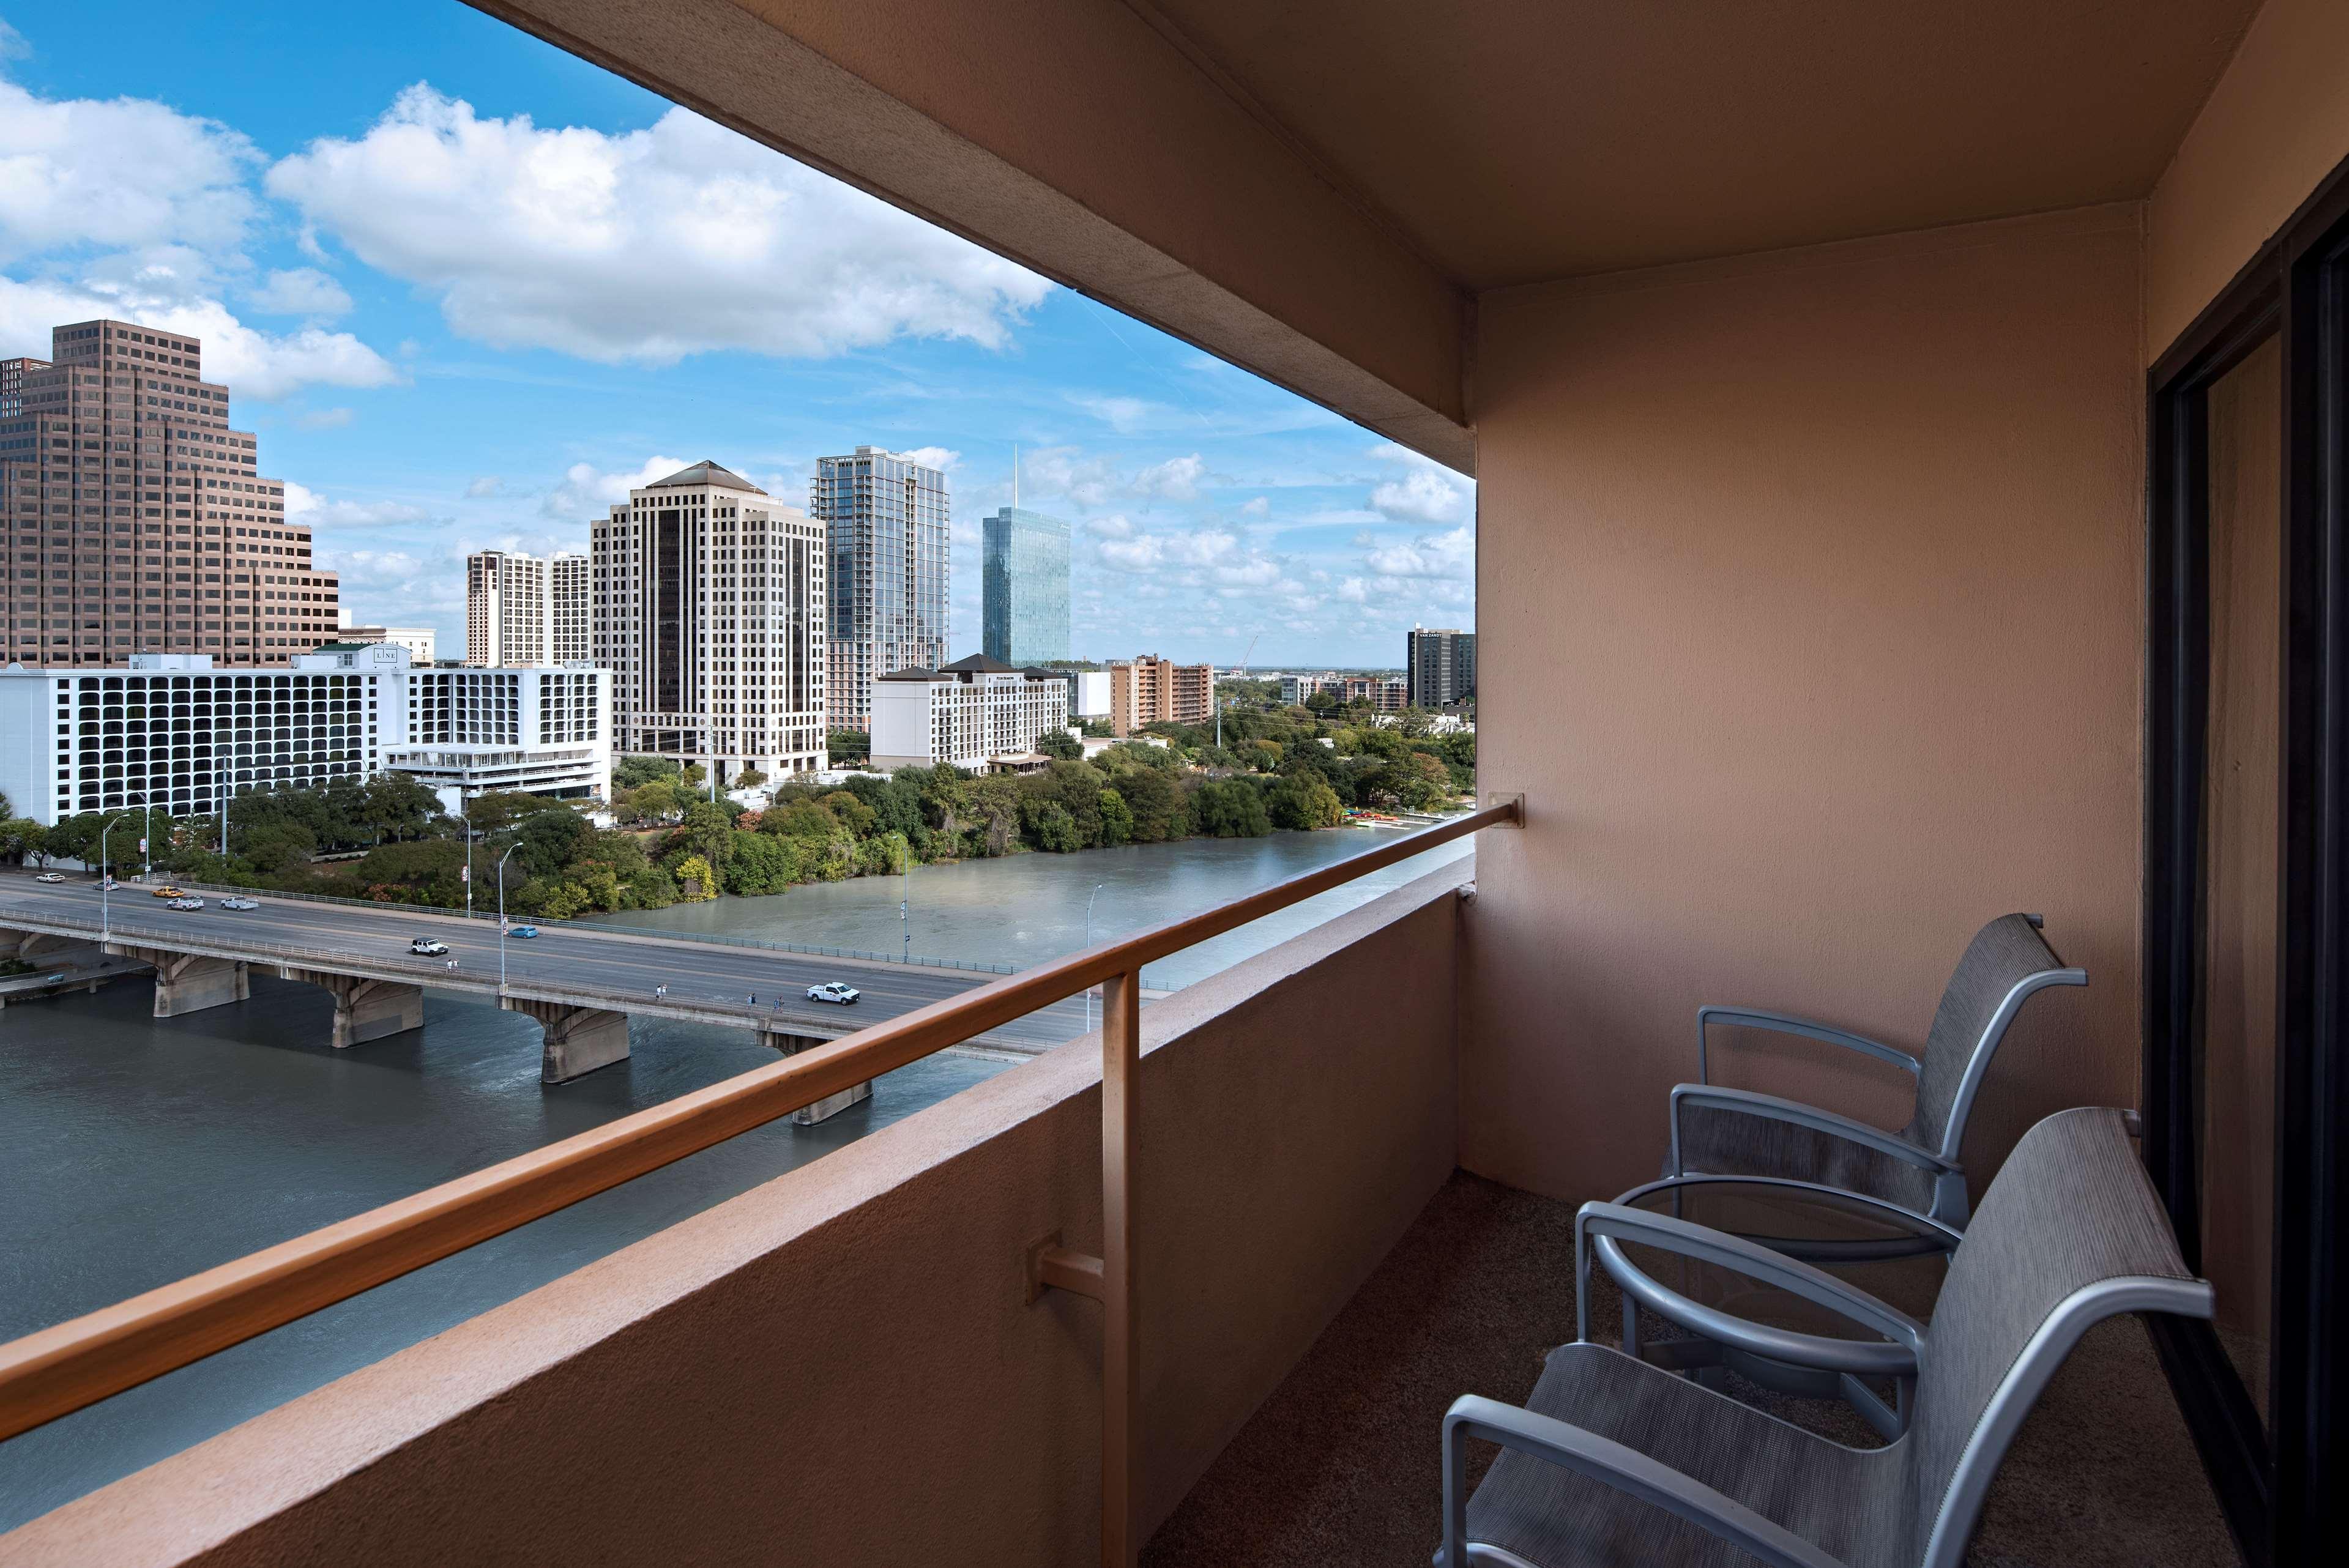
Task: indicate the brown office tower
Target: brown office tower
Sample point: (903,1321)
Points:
(134,520)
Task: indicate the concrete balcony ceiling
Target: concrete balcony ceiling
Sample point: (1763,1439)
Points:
(1318,191)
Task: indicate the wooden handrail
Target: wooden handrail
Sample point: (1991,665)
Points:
(76,1363)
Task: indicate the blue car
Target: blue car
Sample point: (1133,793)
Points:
(523,930)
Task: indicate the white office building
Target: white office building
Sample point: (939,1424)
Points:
(526,609)
(976,712)
(709,599)
(421,642)
(175,732)
(546,730)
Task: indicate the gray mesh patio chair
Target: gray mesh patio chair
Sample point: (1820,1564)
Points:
(1736,1133)
(1612,1461)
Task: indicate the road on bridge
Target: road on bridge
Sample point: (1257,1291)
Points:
(617,964)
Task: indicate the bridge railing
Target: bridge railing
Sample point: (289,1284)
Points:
(713,939)
(702,999)
(76,1363)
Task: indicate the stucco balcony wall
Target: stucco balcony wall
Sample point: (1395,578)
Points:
(841,1365)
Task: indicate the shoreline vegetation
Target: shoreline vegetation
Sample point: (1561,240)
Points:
(1279,770)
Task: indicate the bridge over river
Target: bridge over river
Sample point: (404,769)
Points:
(581,982)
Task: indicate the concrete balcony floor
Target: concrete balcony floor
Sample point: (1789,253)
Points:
(1340,1465)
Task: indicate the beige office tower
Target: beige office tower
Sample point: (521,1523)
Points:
(572,626)
(708,612)
(134,517)
(506,609)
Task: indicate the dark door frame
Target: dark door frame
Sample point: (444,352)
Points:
(2279,1485)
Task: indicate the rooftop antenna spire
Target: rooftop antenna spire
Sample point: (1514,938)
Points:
(1015,476)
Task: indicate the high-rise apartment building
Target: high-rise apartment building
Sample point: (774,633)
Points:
(1439,666)
(708,610)
(1151,690)
(571,626)
(1024,587)
(506,619)
(885,519)
(526,609)
(135,520)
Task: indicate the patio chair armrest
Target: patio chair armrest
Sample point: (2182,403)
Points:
(1602,1459)
(1601,1226)
(1787,1024)
(1772,1108)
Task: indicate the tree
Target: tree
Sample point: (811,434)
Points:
(635,772)
(1051,828)
(1304,801)
(547,842)
(695,878)
(845,746)
(1116,818)
(1320,702)
(23,839)
(1061,744)
(398,805)
(1156,803)
(1230,809)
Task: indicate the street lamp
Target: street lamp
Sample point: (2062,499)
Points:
(904,898)
(465,810)
(105,886)
(502,917)
(1089,941)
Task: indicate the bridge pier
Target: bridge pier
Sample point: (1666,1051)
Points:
(190,982)
(578,1039)
(364,1009)
(831,1105)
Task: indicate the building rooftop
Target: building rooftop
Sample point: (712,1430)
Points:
(706,472)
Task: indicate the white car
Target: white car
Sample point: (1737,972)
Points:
(239,903)
(50,877)
(429,947)
(188,902)
(833,991)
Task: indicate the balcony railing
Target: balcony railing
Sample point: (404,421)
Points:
(75,1363)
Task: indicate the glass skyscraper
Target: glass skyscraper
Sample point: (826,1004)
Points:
(885,519)
(1024,617)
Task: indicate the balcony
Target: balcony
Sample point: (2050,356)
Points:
(1909,467)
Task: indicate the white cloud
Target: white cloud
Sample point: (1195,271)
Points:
(1124,415)
(1143,554)
(12,42)
(644,247)
(303,502)
(1177,478)
(588,492)
(930,457)
(254,363)
(301,291)
(1114,526)
(325,418)
(1259,507)
(485,485)
(133,210)
(1427,493)
(118,174)
(1064,471)
(1440,555)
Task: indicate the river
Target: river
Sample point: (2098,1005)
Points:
(137,1150)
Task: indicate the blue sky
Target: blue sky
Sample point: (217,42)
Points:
(466,288)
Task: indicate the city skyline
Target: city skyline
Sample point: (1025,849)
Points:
(422,406)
